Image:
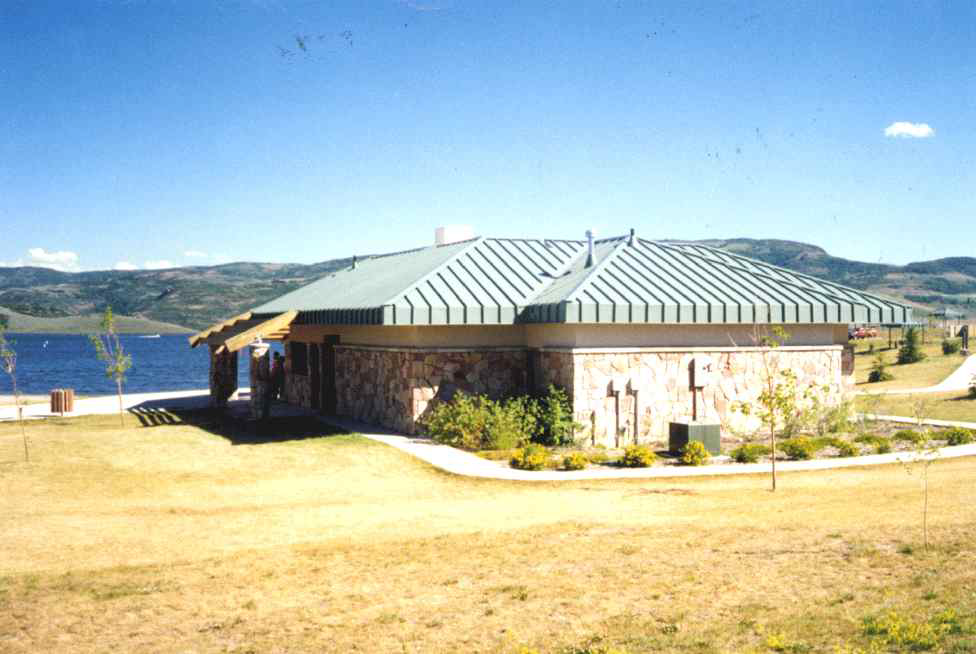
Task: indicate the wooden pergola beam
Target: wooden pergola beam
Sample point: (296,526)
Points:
(276,325)
(198,338)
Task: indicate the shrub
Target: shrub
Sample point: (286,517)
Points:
(694,454)
(574,461)
(879,370)
(510,423)
(597,456)
(844,448)
(910,436)
(531,457)
(749,453)
(950,346)
(475,422)
(462,422)
(957,436)
(882,444)
(910,352)
(555,418)
(638,456)
(835,419)
(799,448)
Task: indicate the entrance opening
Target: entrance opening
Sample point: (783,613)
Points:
(328,404)
(316,373)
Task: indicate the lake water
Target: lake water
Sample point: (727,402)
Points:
(167,363)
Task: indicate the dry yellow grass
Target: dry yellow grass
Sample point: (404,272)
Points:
(173,538)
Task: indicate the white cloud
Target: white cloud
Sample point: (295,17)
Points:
(221,258)
(125,265)
(63,260)
(904,129)
(156,265)
(195,254)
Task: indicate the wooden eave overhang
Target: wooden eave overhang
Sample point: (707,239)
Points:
(240,331)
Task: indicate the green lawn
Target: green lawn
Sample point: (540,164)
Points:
(940,406)
(190,534)
(928,372)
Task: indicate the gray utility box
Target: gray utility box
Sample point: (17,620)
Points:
(708,434)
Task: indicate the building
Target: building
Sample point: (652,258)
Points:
(617,322)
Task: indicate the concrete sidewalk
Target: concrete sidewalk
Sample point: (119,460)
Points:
(959,380)
(464,463)
(467,464)
(110,404)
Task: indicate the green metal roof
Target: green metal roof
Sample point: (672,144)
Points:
(630,280)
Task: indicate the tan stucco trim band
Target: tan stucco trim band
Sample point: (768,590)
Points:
(724,348)
(424,348)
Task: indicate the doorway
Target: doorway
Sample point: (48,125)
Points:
(329,395)
(316,379)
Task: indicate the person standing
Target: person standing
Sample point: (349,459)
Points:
(277,377)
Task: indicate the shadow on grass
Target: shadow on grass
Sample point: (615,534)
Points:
(238,429)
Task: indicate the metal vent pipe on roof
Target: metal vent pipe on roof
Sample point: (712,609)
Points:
(630,241)
(453,234)
(589,248)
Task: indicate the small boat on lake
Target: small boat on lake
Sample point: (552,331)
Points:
(150,336)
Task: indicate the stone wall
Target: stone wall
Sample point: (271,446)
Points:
(223,377)
(298,384)
(662,383)
(394,387)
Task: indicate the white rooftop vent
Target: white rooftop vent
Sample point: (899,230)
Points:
(452,234)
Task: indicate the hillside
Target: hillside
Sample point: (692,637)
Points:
(196,297)
(85,324)
(927,285)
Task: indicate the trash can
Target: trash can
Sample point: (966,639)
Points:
(57,401)
(62,400)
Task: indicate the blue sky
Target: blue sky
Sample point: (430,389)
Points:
(155,133)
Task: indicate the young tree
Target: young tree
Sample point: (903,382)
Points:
(8,359)
(910,351)
(922,457)
(777,402)
(109,350)
(879,370)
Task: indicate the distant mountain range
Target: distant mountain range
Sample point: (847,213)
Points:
(39,299)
